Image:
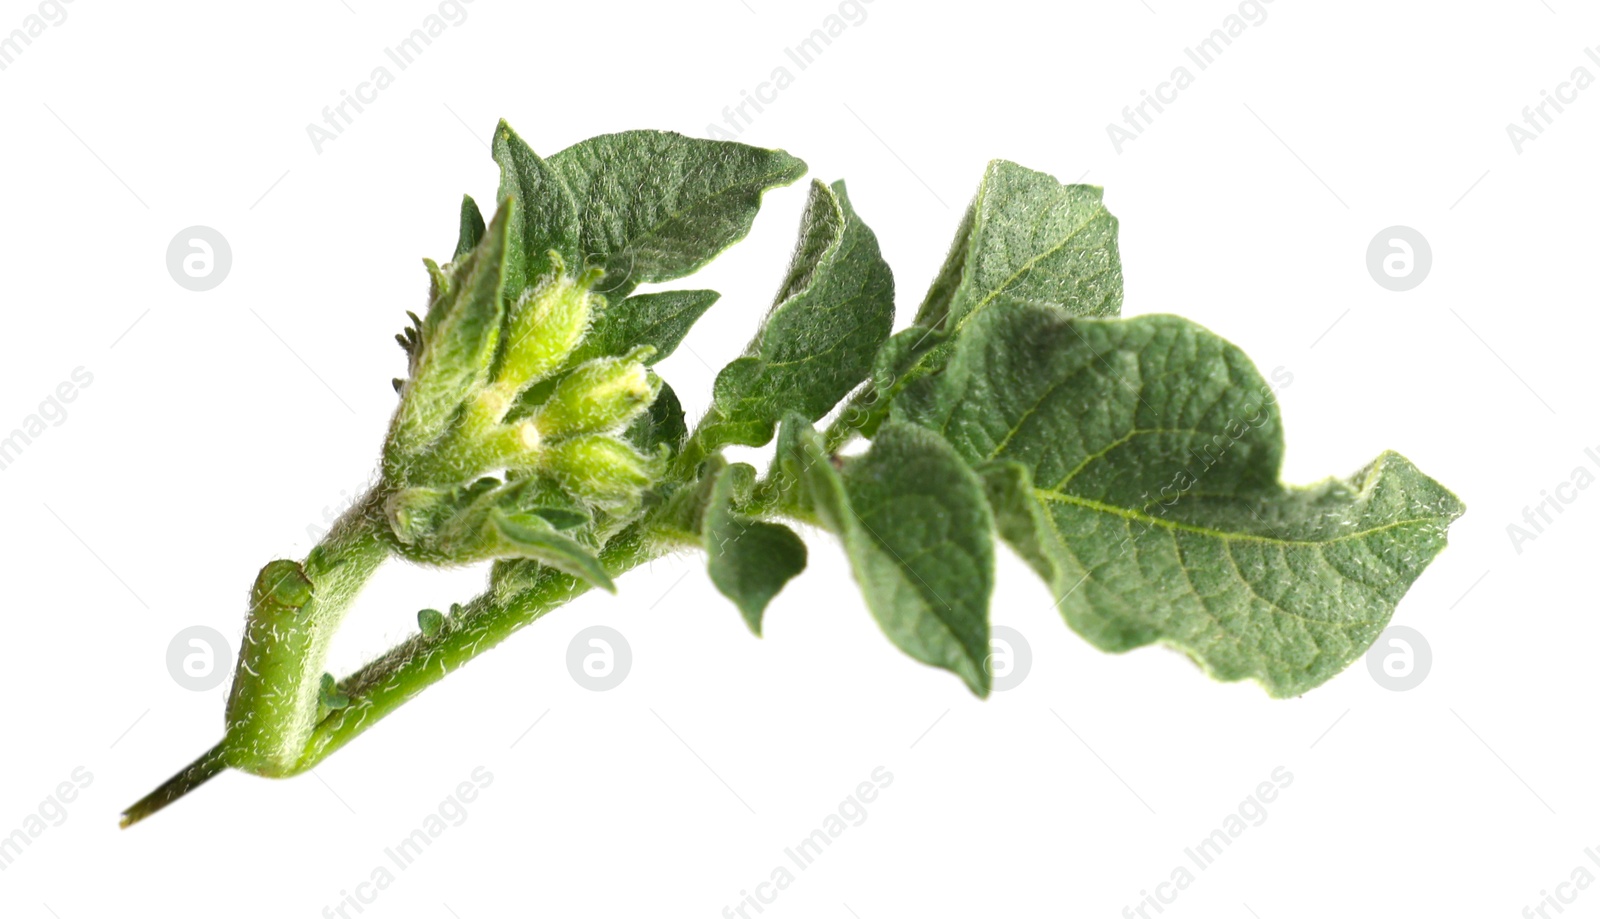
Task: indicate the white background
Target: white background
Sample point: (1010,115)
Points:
(219,425)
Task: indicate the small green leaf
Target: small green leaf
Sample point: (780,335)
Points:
(681,519)
(656,205)
(541,497)
(415,513)
(471,227)
(660,320)
(454,526)
(454,343)
(833,312)
(533,537)
(919,534)
(329,694)
(430,622)
(427,522)
(748,560)
(547,215)
(664,424)
(1134,464)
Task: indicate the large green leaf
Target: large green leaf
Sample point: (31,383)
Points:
(655,205)
(918,531)
(832,313)
(547,215)
(749,560)
(1134,464)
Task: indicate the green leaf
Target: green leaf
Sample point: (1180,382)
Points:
(329,695)
(547,216)
(430,622)
(656,205)
(748,560)
(1134,464)
(1028,238)
(458,526)
(832,313)
(471,227)
(531,536)
(681,518)
(660,320)
(1025,238)
(543,498)
(662,424)
(415,514)
(918,531)
(454,343)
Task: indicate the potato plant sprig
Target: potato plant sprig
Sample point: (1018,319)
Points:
(1133,463)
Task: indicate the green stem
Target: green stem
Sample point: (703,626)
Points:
(693,453)
(295,611)
(865,410)
(385,684)
(275,699)
(197,773)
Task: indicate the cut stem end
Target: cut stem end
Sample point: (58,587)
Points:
(194,775)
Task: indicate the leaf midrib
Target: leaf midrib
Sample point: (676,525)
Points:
(1028,266)
(989,297)
(1045,494)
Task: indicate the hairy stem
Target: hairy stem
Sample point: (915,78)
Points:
(865,410)
(694,451)
(385,684)
(197,773)
(389,682)
(295,611)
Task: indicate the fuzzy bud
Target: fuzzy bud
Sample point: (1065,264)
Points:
(601,395)
(606,470)
(545,326)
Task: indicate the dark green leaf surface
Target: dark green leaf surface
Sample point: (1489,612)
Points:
(660,320)
(547,215)
(1025,238)
(833,312)
(531,536)
(656,205)
(662,424)
(748,560)
(917,529)
(471,227)
(1134,464)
